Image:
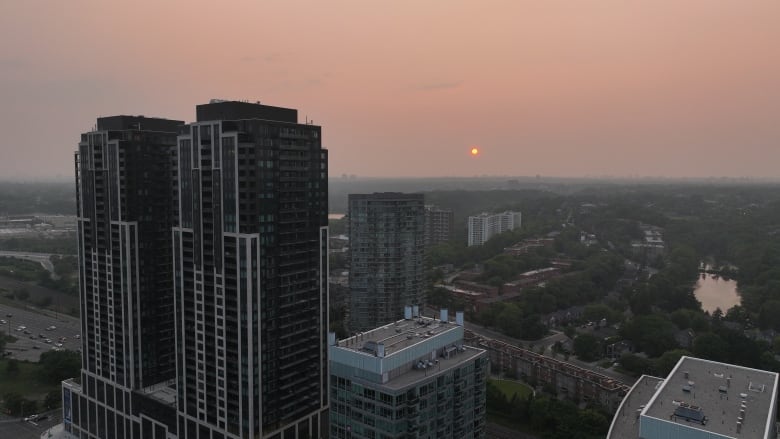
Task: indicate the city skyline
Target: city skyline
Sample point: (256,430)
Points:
(608,88)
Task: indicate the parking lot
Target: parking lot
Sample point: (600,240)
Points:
(41,332)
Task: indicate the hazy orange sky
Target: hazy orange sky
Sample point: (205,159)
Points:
(682,88)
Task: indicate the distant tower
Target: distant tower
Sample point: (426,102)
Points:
(438,225)
(484,226)
(386,235)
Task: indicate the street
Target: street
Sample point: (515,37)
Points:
(16,428)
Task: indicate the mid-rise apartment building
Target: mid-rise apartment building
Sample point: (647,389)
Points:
(484,226)
(411,378)
(438,225)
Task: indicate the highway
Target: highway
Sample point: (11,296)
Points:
(42,258)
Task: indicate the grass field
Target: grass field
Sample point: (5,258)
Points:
(24,381)
(509,388)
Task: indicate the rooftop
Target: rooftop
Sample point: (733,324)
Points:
(438,366)
(717,393)
(163,392)
(397,336)
(625,424)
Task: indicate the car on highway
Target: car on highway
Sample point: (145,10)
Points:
(31,418)
(2,322)
(9,315)
(51,328)
(77,336)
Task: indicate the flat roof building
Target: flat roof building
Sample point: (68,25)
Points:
(700,399)
(484,226)
(412,377)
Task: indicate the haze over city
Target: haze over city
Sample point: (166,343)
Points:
(555,88)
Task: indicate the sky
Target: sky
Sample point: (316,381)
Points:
(585,88)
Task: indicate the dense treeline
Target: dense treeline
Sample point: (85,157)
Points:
(65,245)
(547,416)
(522,318)
(27,198)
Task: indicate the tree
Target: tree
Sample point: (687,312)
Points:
(587,347)
(652,334)
(59,365)
(12,367)
(711,346)
(767,317)
(635,364)
(22,294)
(666,362)
(17,405)
(53,400)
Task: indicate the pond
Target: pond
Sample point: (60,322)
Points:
(714,292)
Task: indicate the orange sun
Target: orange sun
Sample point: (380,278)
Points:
(475,151)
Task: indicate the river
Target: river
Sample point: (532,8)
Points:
(714,292)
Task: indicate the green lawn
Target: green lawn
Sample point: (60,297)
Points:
(509,388)
(24,382)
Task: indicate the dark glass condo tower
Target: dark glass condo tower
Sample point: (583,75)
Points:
(220,330)
(250,274)
(124,186)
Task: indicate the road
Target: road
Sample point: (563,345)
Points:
(30,344)
(42,258)
(16,428)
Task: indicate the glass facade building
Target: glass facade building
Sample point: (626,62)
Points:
(410,379)
(203,254)
(387,244)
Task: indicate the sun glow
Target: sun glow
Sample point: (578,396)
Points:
(475,151)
